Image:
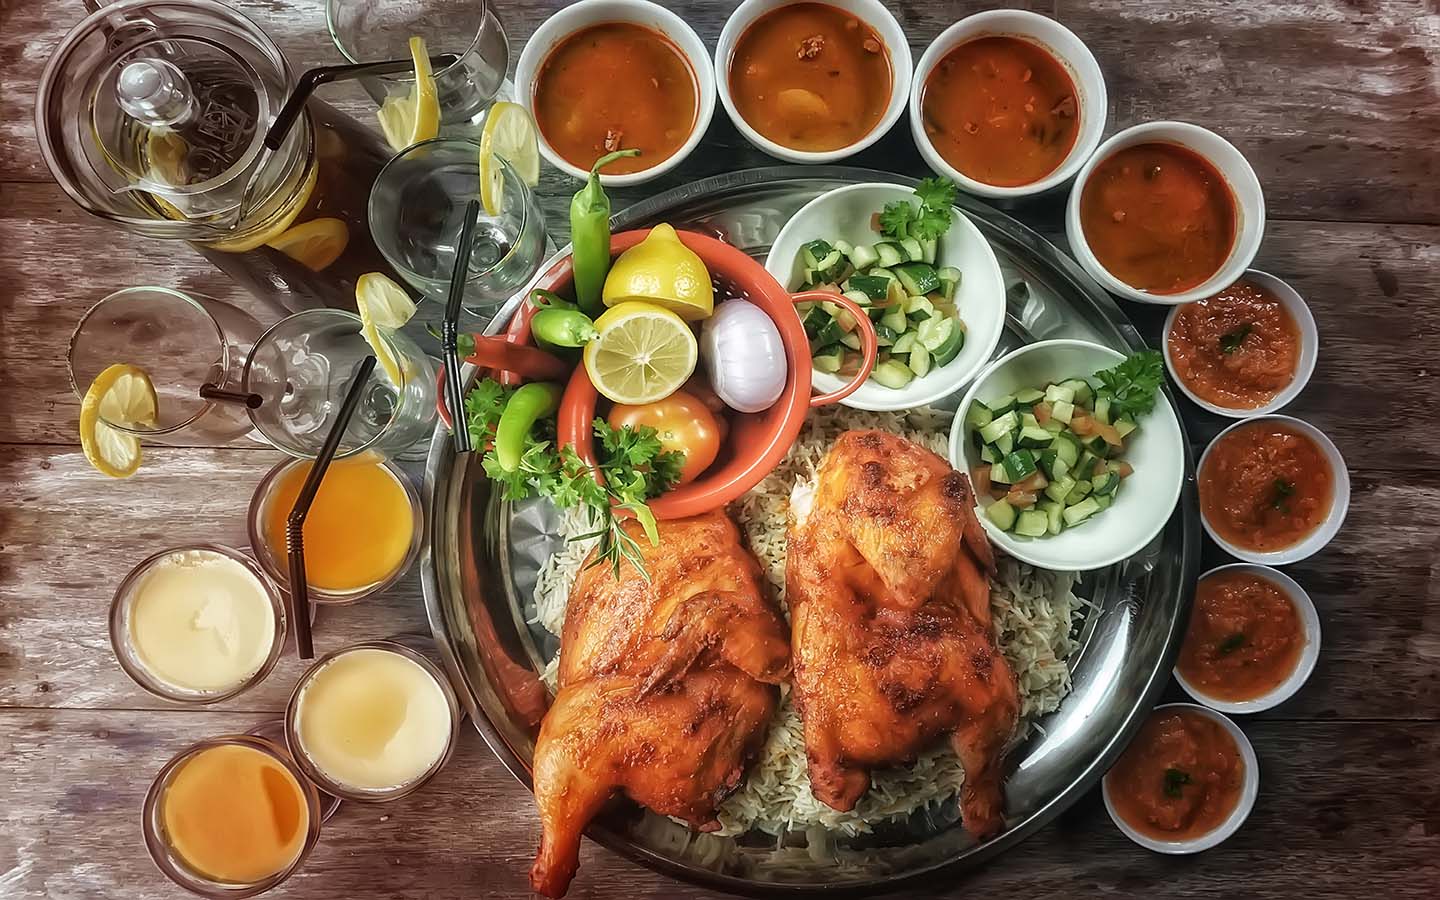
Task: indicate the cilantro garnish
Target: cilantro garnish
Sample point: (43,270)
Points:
(926,222)
(1174,780)
(1132,384)
(1231,342)
(1283,489)
(1232,643)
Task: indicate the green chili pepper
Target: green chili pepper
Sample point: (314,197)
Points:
(590,236)
(528,404)
(563,327)
(543,299)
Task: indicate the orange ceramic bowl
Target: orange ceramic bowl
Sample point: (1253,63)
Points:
(757,441)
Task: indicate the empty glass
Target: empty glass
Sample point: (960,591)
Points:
(416,210)
(303,367)
(183,343)
(368,30)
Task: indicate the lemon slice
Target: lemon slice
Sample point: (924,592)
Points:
(289,211)
(416,116)
(314,244)
(509,135)
(643,353)
(382,301)
(122,395)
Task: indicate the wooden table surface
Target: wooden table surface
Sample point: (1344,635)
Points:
(1337,105)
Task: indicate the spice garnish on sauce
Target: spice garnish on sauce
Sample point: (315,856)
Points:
(1265,486)
(1237,349)
(1244,638)
(1180,778)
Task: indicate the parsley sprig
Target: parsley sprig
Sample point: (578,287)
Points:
(926,222)
(1174,780)
(1231,341)
(632,468)
(1132,384)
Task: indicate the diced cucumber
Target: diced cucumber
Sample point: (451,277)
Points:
(864,256)
(844,247)
(814,254)
(1034,436)
(1104,483)
(906,342)
(1059,489)
(1056,392)
(1079,492)
(1002,514)
(998,473)
(934,332)
(978,415)
(949,281)
(892,374)
(1006,442)
(1002,405)
(885,336)
(1081,388)
(828,334)
(816,319)
(1052,511)
(1062,412)
(829,359)
(1067,448)
(889,254)
(929,249)
(913,251)
(950,347)
(1102,408)
(920,309)
(987,454)
(896,295)
(1020,464)
(1032,523)
(1098,446)
(1103,502)
(1004,424)
(1125,428)
(1028,420)
(1074,515)
(894,319)
(919,361)
(1052,465)
(1028,397)
(1086,466)
(873,287)
(918,278)
(851,339)
(1054,426)
(846,320)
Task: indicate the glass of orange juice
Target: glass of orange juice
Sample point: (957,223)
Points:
(362,533)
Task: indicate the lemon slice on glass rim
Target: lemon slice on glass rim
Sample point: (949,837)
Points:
(509,135)
(383,304)
(643,353)
(121,395)
(414,117)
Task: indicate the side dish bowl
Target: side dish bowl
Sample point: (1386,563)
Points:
(844,214)
(1064,46)
(1147,497)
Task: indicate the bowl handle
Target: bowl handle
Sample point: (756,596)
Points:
(868,346)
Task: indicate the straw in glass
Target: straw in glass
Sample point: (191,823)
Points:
(450,328)
(212,392)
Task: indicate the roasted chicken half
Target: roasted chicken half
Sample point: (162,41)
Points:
(886,580)
(666,688)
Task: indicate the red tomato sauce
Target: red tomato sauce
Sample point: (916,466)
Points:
(1180,778)
(1002,110)
(1159,217)
(1265,486)
(1244,637)
(1237,349)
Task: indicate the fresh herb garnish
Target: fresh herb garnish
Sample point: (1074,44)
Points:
(1231,342)
(1283,489)
(929,220)
(1174,780)
(633,467)
(1232,643)
(1133,383)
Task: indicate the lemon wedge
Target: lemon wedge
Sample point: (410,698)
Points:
(121,395)
(663,271)
(643,353)
(414,117)
(315,244)
(509,135)
(382,304)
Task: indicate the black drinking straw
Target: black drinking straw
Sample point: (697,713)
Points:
(450,328)
(295,525)
(211,392)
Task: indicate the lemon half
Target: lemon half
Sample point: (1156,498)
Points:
(663,271)
(121,395)
(643,353)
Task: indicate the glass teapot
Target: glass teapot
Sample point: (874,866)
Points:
(153,114)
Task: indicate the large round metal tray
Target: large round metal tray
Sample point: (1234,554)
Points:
(480,569)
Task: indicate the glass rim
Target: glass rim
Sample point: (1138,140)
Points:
(404,79)
(505,166)
(361,795)
(125,293)
(276,567)
(172,865)
(123,601)
(292,448)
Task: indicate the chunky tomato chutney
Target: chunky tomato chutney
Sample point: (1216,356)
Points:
(1265,486)
(1237,349)
(1180,778)
(1244,638)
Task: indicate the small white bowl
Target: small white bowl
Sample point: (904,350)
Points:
(1249,790)
(874,14)
(844,214)
(570,19)
(1061,43)
(1315,541)
(1232,166)
(1145,500)
(1304,664)
(1304,365)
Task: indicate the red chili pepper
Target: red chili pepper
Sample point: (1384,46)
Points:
(496,353)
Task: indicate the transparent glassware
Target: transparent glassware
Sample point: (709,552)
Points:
(367,30)
(418,205)
(303,366)
(183,342)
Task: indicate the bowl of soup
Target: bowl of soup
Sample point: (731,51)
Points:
(1253,639)
(1008,103)
(1165,213)
(606,75)
(1273,490)
(1187,781)
(813,82)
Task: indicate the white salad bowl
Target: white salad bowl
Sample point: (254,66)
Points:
(1146,498)
(1304,664)
(844,214)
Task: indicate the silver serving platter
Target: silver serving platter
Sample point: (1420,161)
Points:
(483,557)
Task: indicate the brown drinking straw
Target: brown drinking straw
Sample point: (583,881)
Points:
(212,392)
(295,525)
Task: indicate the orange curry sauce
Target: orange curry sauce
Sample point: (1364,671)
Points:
(1002,110)
(1237,349)
(1244,637)
(1159,217)
(1180,778)
(811,77)
(616,86)
(1265,486)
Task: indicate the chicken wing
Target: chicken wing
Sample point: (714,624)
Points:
(886,579)
(666,688)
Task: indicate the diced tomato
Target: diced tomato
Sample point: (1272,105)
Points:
(828,287)
(1042,412)
(1036,482)
(1021,499)
(1125,470)
(1082,425)
(875,221)
(1108,432)
(850,365)
(980,475)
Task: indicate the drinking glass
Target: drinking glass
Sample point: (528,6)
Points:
(303,367)
(183,342)
(368,30)
(417,207)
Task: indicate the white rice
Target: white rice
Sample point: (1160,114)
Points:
(1034,614)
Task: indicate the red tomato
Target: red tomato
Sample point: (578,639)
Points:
(683,422)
